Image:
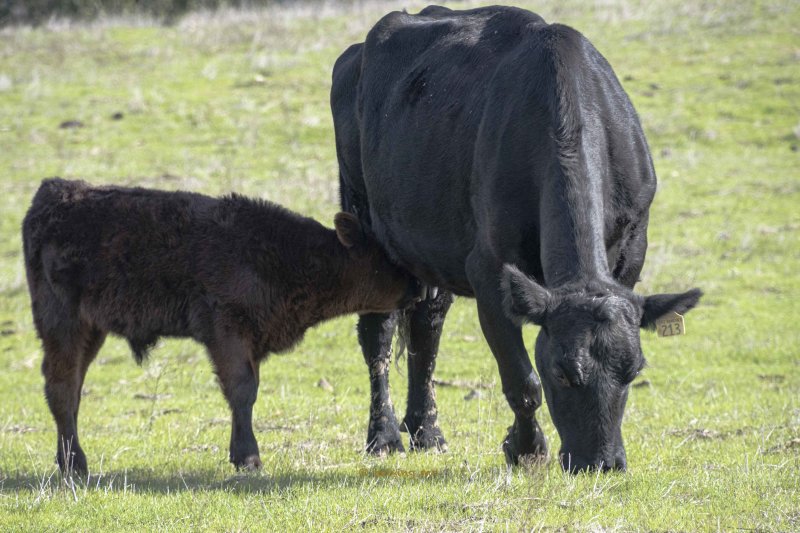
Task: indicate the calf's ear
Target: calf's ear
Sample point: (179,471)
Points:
(659,305)
(524,300)
(349,230)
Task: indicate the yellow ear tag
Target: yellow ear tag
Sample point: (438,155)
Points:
(670,325)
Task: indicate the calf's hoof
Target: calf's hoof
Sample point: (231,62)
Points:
(250,463)
(525,446)
(73,463)
(425,436)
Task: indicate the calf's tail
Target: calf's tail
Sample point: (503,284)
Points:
(48,273)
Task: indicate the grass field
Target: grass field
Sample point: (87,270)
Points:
(237,101)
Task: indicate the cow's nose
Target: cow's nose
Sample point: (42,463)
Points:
(575,463)
(620,461)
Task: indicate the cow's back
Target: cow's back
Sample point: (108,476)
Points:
(457,116)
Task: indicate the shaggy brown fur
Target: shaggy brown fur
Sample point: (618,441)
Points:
(243,277)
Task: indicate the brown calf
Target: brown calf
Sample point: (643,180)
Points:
(243,277)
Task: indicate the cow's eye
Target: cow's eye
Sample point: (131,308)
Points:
(636,374)
(561,377)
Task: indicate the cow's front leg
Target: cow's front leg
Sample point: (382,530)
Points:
(237,371)
(424,329)
(375,333)
(521,385)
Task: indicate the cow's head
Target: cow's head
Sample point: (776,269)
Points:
(587,353)
(377,285)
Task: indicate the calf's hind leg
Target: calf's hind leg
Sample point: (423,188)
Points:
(424,330)
(67,355)
(237,371)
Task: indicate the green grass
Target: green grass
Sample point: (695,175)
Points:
(238,101)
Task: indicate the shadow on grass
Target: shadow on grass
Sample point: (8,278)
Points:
(149,481)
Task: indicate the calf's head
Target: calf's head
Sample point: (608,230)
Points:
(374,283)
(587,353)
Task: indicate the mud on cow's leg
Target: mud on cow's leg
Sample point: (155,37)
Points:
(521,385)
(237,371)
(375,333)
(424,330)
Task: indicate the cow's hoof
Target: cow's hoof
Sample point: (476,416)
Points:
(382,445)
(251,463)
(383,436)
(525,447)
(384,442)
(425,436)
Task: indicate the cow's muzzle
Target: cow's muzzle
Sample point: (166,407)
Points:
(574,463)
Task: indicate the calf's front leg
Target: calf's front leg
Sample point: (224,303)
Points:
(237,371)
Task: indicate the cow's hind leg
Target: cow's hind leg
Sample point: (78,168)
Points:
(423,328)
(237,371)
(375,333)
(68,351)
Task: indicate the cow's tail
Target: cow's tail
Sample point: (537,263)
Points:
(403,335)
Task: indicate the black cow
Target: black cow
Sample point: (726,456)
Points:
(470,140)
(243,277)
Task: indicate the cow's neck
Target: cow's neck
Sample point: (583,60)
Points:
(572,232)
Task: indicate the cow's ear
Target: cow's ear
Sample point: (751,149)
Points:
(349,230)
(524,300)
(659,305)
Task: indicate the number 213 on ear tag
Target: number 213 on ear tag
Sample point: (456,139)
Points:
(670,325)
